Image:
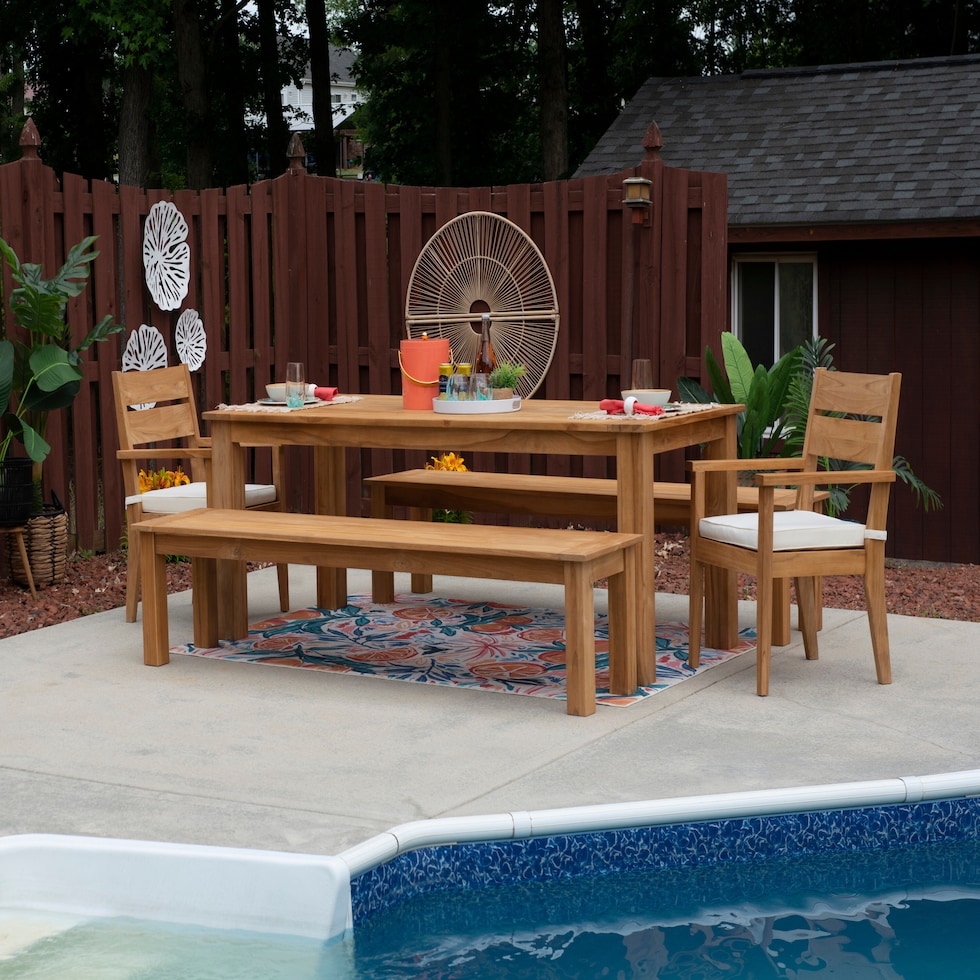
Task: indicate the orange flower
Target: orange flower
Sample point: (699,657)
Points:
(161,479)
(447,461)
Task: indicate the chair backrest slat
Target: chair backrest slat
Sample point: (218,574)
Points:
(868,439)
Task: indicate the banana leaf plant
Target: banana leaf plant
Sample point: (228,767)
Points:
(777,405)
(40,367)
(762,423)
(817,352)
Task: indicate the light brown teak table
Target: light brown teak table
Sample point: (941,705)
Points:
(541,426)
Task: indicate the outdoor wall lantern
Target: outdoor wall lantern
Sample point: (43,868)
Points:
(637,199)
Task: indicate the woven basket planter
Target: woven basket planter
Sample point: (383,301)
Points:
(46,537)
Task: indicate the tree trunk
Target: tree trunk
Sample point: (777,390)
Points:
(134,126)
(277,135)
(553,88)
(324,150)
(192,75)
(443,79)
(234,162)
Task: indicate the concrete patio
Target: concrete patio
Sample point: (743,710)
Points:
(92,742)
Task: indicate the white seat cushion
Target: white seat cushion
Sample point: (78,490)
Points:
(793,530)
(175,500)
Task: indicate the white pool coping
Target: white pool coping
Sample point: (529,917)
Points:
(216,887)
(542,823)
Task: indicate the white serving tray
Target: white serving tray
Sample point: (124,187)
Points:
(489,406)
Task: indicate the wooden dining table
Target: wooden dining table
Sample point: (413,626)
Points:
(540,426)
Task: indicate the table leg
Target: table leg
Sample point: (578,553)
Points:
(622,636)
(227,489)
(329,467)
(721,585)
(634,474)
(153,581)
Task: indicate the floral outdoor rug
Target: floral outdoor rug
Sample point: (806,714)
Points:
(485,646)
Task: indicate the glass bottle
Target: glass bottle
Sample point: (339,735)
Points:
(485,361)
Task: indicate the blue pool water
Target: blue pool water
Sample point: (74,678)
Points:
(890,892)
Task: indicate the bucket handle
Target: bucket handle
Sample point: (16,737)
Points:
(410,378)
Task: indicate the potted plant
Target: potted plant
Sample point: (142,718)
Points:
(40,367)
(504,378)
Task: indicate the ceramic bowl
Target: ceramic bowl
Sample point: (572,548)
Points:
(277,392)
(648,396)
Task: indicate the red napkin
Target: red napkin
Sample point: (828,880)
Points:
(614,406)
(325,394)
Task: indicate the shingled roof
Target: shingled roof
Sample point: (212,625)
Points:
(887,141)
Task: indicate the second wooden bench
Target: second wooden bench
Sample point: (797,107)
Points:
(573,559)
(422,491)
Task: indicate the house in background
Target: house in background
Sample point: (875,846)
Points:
(345,98)
(854,214)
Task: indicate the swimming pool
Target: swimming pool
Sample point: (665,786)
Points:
(730,859)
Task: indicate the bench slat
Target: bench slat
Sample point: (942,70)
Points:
(523,493)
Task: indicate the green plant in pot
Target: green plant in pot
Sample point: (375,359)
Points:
(504,377)
(40,367)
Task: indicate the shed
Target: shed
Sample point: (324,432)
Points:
(854,210)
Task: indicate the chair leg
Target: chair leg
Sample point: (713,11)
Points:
(695,612)
(283,572)
(132,576)
(809,612)
(763,628)
(874,594)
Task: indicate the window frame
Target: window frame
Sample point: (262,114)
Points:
(776,259)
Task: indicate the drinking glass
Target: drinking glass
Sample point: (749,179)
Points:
(458,389)
(642,375)
(295,384)
(480,387)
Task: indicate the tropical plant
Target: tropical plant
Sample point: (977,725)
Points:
(817,352)
(777,405)
(761,425)
(39,365)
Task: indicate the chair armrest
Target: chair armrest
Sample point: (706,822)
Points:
(825,477)
(728,465)
(169,452)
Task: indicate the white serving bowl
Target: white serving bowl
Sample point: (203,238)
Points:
(648,396)
(277,392)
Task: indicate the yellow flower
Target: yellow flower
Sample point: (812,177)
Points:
(447,461)
(161,479)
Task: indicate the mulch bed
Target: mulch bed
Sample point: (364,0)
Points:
(98,582)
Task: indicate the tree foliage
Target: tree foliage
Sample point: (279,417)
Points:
(457,93)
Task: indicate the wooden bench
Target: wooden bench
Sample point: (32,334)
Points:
(556,496)
(574,559)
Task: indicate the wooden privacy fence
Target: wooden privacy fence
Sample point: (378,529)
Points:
(315,269)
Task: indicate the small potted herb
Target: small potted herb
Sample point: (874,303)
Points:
(504,378)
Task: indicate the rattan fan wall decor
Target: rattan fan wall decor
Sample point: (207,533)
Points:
(483,263)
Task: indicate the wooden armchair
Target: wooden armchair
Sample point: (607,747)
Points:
(167,430)
(852,418)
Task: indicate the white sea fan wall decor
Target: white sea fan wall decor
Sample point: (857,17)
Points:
(166,255)
(190,339)
(144,351)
